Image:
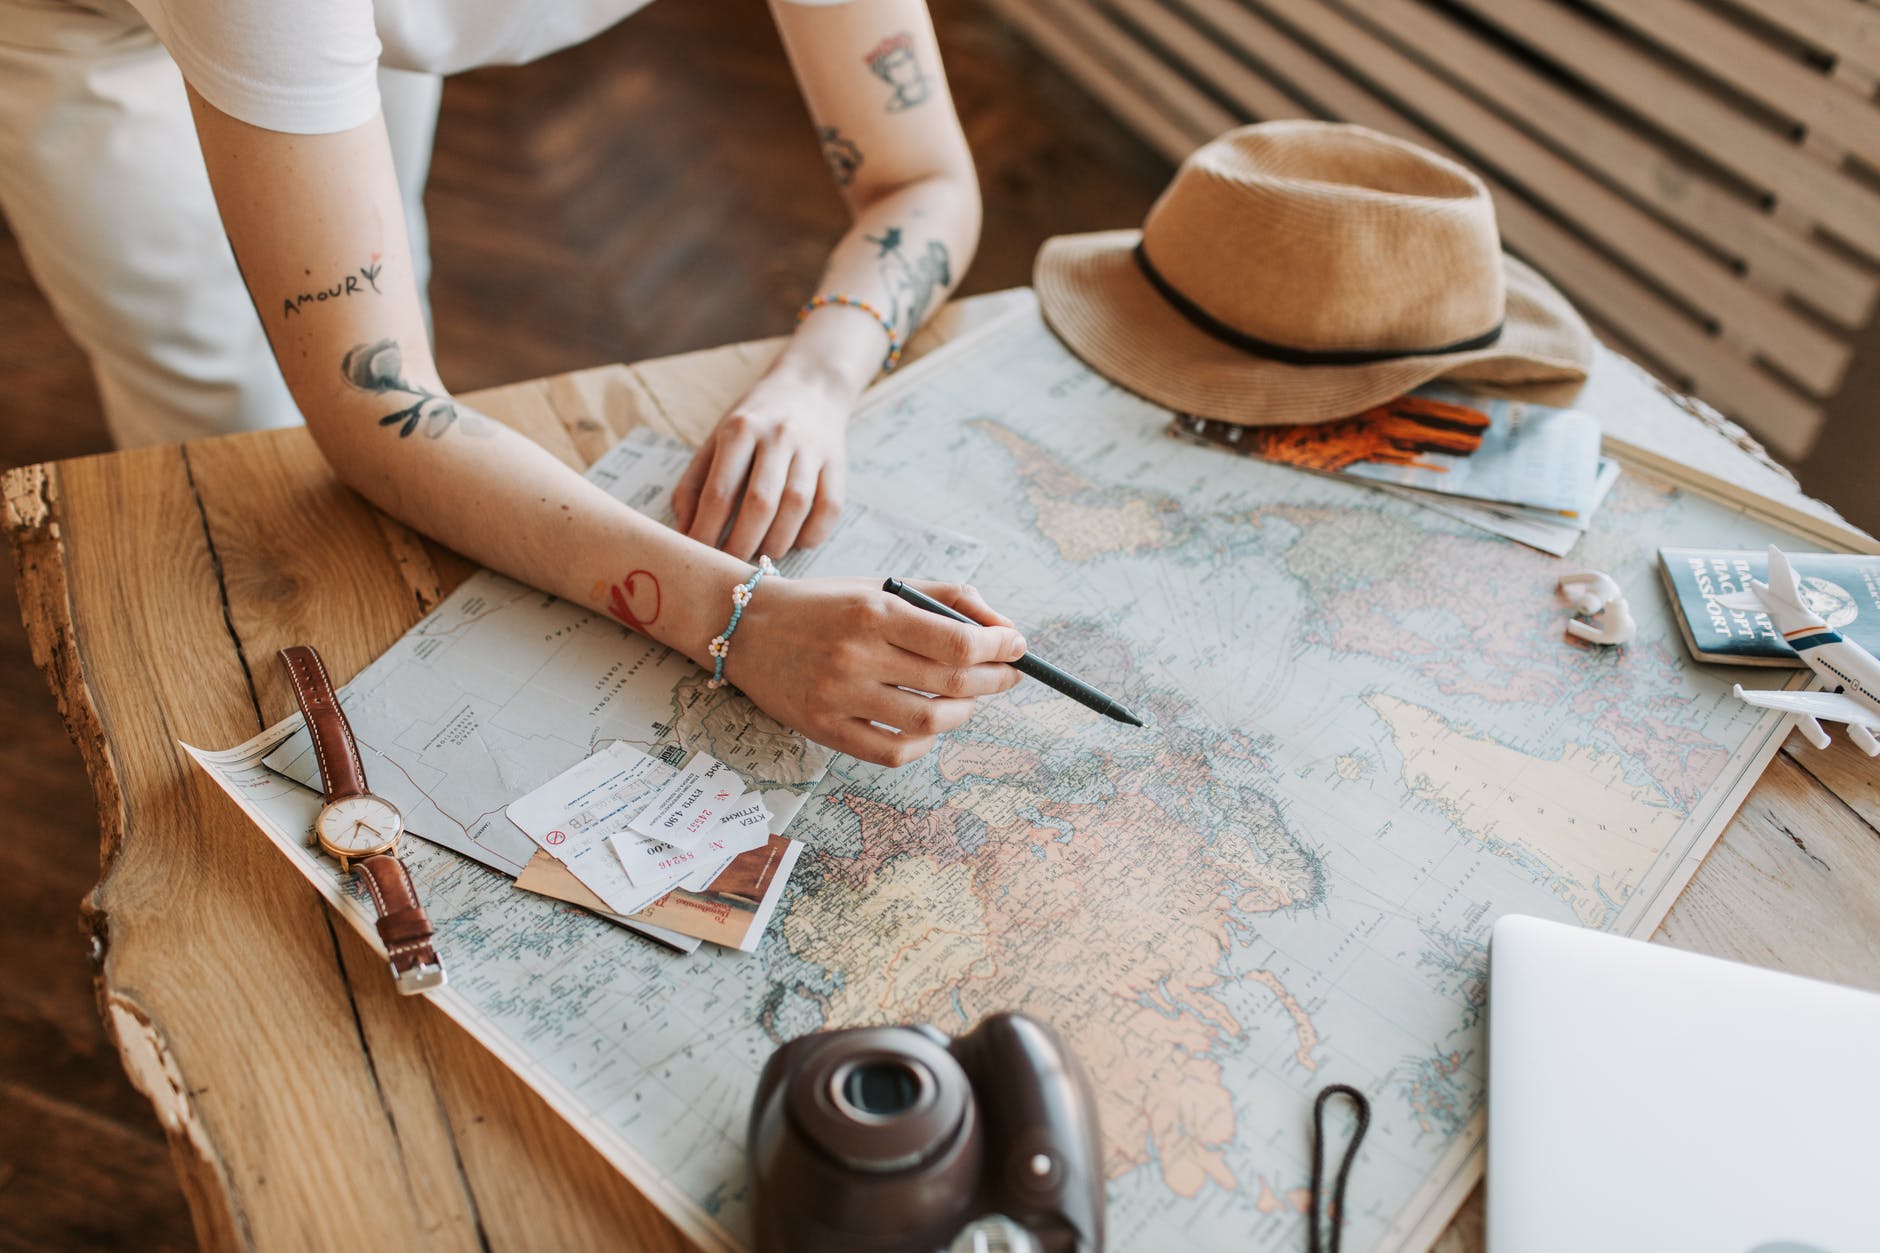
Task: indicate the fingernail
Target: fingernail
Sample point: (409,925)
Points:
(1017,646)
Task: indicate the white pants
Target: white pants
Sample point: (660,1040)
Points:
(102,183)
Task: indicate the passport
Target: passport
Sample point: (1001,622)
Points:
(1843,588)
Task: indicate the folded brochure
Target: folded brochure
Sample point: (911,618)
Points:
(1444,440)
(733,911)
(1550,533)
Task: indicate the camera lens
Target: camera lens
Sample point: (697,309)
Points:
(882,1099)
(882,1088)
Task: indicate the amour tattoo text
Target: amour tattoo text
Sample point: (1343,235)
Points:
(364,279)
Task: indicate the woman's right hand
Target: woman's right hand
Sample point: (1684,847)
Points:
(831,657)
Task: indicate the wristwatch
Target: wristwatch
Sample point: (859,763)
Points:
(362,829)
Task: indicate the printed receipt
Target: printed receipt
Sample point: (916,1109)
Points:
(631,828)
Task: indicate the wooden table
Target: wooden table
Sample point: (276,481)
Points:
(305,1103)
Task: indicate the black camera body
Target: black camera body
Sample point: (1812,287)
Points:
(901,1140)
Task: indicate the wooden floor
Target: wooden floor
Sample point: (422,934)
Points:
(655,190)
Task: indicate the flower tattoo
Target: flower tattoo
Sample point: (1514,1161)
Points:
(379,367)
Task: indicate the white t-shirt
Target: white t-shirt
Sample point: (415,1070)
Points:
(310,66)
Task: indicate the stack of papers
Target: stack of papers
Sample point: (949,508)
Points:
(630,830)
(1530,472)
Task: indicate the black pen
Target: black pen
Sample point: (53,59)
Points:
(1028,665)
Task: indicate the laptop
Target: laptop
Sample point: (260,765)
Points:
(1643,1098)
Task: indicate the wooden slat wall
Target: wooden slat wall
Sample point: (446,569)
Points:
(1702,177)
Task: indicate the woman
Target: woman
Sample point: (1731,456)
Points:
(286,101)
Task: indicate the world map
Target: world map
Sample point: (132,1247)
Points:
(1368,737)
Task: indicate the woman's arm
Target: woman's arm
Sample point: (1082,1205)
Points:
(870,73)
(317,227)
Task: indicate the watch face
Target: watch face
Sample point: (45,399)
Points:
(357,826)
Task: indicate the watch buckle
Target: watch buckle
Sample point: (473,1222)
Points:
(422,977)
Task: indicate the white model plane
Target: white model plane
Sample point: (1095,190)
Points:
(1851,673)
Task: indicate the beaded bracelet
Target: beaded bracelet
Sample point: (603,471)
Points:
(852,302)
(720,647)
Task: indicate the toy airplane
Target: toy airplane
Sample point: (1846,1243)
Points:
(1851,673)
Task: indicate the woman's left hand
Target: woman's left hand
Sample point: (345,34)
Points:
(775,462)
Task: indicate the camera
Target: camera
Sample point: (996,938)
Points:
(903,1140)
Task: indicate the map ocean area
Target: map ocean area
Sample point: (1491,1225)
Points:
(502,687)
(1368,738)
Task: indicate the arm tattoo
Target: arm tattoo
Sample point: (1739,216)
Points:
(365,278)
(894,63)
(912,281)
(622,597)
(379,367)
(842,154)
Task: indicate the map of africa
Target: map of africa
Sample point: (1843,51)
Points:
(1368,737)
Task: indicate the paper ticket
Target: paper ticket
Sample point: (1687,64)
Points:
(655,863)
(572,815)
(746,827)
(652,864)
(688,810)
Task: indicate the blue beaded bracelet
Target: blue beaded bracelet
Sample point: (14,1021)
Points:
(720,646)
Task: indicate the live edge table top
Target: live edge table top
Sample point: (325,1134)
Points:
(306,1103)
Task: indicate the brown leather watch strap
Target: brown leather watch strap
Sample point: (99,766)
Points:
(403,924)
(340,772)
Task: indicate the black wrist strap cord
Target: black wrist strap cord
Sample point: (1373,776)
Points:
(1337,1211)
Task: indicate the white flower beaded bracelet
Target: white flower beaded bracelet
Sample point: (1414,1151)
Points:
(720,647)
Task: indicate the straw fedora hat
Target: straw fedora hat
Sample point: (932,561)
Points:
(1304,271)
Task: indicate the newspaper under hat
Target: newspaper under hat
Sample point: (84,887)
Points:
(1304,271)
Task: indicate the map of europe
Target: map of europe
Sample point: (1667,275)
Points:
(1368,736)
